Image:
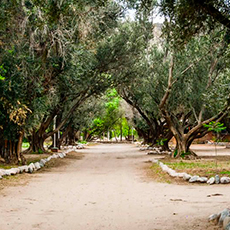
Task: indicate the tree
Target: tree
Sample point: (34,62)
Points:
(38,52)
(203,77)
(188,18)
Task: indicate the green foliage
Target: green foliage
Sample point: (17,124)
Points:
(3,71)
(175,153)
(160,142)
(215,126)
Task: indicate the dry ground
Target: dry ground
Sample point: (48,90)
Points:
(107,189)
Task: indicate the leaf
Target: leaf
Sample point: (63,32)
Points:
(2,78)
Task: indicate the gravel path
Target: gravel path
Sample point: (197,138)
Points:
(107,190)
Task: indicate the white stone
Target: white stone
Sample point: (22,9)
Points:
(202,179)
(32,166)
(23,168)
(181,175)
(214,218)
(30,169)
(61,155)
(211,180)
(14,171)
(2,171)
(223,215)
(49,158)
(193,179)
(226,223)
(7,172)
(55,156)
(217,179)
(37,165)
(224,180)
(186,176)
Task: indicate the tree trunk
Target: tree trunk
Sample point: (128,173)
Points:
(71,136)
(36,141)
(20,156)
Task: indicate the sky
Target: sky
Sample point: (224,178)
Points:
(156,16)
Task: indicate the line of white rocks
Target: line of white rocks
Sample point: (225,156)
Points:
(221,218)
(193,179)
(34,166)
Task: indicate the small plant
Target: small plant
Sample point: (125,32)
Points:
(183,155)
(175,153)
(216,127)
(160,142)
(82,142)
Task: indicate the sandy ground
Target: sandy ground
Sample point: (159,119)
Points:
(108,189)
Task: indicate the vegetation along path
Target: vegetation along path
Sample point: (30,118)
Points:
(107,189)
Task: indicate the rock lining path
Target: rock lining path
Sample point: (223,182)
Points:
(108,189)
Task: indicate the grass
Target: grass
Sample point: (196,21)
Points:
(159,175)
(190,165)
(202,167)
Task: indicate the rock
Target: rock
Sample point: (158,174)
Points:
(31,165)
(226,223)
(193,179)
(202,179)
(12,171)
(64,154)
(7,172)
(37,165)
(224,180)
(49,158)
(211,180)
(61,155)
(227,227)
(214,218)
(26,168)
(2,172)
(186,176)
(41,164)
(173,173)
(55,156)
(225,213)
(30,169)
(150,153)
(0,177)
(181,175)
(217,179)
(43,161)
(23,168)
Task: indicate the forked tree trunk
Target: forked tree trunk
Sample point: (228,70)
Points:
(10,150)
(36,143)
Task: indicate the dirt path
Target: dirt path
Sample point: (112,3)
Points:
(107,189)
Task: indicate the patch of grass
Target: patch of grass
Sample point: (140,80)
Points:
(225,172)
(82,142)
(6,166)
(201,167)
(159,175)
(190,165)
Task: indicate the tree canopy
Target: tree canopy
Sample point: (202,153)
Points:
(67,59)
